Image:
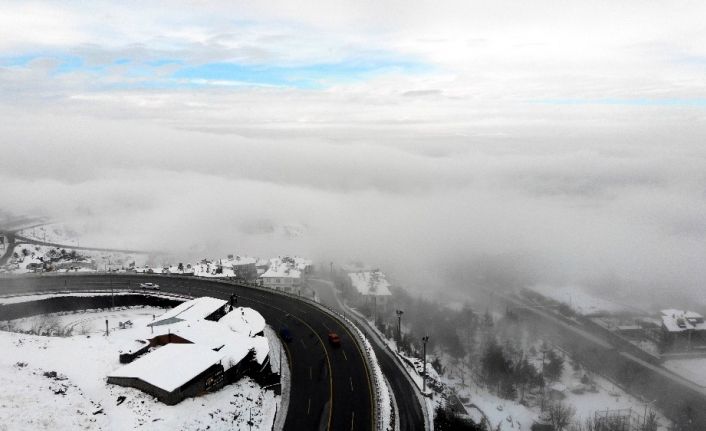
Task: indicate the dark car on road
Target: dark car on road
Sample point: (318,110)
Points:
(285,334)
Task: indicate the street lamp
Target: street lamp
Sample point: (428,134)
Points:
(424,372)
(399,325)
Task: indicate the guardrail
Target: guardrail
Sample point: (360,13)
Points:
(374,368)
(400,364)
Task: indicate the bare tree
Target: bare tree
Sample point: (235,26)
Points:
(559,415)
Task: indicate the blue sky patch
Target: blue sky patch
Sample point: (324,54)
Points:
(308,76)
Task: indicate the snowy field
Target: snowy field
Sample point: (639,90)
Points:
(691,369)
(598,395)
(59,383)
(579,300)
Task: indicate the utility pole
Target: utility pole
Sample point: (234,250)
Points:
(544,352)
(399,325)
(424,372)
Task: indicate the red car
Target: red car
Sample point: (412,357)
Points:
(334,339)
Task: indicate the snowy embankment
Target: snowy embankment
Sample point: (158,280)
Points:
(693,369)
(416,379)
(580,300)
(44,378)
(279,364)
(384,399)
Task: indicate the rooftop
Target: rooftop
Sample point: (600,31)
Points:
(170,366)
(244,320)
(681,320)
(198,308)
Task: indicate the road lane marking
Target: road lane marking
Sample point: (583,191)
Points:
(351,380)
(308,408)
(344,354)
(367,370)
(328,358)
(352,420)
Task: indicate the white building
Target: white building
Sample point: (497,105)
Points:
(285,273)
(194,348)
(372,288)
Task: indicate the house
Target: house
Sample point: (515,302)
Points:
(682,330)
(372,289)
(286,273)
(195,348)
(281,276)
(172,372)
(245,268)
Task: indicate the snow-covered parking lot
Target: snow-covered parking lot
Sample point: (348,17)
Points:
(60,382)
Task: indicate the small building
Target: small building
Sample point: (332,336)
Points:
(245,268)
(172,372)
(282,277)
(372,289)
(682,330)
(195,348)
(286,273)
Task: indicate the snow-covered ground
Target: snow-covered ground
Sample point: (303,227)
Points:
(67,259)
(598,395)
(580,300)
(59,383)
(692,369)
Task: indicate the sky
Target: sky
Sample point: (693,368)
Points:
(453,144)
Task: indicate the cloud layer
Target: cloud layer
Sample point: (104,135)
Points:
(453,145)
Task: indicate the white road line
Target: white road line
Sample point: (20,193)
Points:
(352,420)
(351,380)
(308,408)
(344,354)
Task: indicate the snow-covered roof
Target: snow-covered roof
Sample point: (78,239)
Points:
(370,283)
(244,320)
(262,348)
(195,309)
(281,270)
(170,366)
(286,267)
(242,260)
(233,335)
(680,320)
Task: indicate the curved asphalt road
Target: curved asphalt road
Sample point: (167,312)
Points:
(331,387)
(410,413)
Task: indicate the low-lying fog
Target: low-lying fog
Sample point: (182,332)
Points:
(495,161)
(438,205)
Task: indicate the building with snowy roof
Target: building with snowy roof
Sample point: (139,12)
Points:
(682,330)
(245,268)
(195,348)
(371,288)
(285,273)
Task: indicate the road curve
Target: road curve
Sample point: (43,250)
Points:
(331,387)
(410,414)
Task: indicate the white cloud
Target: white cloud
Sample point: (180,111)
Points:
(412,170)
